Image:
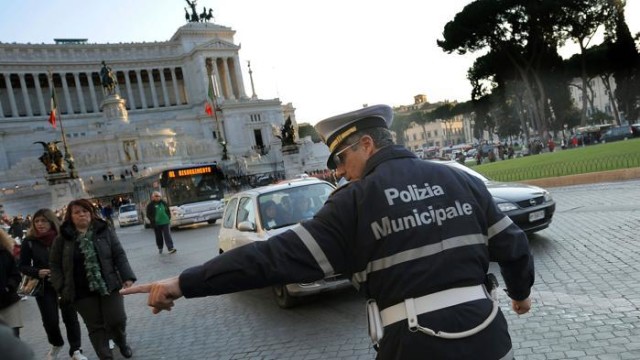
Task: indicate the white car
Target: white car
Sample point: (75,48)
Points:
(258,214)
(128,215)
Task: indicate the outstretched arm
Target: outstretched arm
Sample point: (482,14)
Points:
(162,294)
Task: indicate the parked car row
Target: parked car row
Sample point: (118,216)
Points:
(621,133)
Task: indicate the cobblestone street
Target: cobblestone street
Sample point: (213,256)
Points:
(585,300)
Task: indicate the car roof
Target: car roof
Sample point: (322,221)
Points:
(284,184)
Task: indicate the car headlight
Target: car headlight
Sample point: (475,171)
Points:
(504,207)
(547,197)
(177,212)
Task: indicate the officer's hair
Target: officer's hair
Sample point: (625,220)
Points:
(381,136)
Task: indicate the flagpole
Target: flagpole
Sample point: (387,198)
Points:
(67,153)
(212,89)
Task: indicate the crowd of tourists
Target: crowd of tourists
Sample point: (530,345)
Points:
(75,257)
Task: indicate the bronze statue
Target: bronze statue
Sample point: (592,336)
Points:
(203,14)
(288,133)
(52,157)
(194,12)
(108,79)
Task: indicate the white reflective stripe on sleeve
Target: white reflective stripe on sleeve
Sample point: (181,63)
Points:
(496,228)
(417,253)
(314,249)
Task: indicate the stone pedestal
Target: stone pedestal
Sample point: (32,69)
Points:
(293,164)
(114,110)
(63,191)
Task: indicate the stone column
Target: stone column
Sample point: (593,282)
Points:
(76,79)
(218,79)
(25,95)
(227,75)
(143,99)
(239,82)
(65,90)
(127,81)
(152,85)
(12,97)
(92,91)
(36,80)
(163,82)
(4,163)
(174,80)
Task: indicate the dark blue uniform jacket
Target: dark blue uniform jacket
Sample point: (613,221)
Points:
(407,228)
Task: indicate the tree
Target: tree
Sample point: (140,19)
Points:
(521,32)
(580,22)
(624,54)
(305,129)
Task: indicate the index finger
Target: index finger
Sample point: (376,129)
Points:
(138,289)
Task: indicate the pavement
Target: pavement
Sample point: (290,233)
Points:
(586,299)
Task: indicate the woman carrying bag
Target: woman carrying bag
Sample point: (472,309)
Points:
(88,267)
(34,262)
(9,281)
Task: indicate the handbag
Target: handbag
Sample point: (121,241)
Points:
(30,286)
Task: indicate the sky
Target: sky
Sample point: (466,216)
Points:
(325,57)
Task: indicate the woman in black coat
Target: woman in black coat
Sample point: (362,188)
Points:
(34,261)
(88,267)
(9,282)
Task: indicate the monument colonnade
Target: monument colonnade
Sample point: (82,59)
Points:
(80,92)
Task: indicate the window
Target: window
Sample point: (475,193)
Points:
(230,214)
(246,211)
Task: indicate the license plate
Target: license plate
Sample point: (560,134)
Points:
(536,215)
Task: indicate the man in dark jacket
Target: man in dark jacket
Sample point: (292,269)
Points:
(415,236)
(159,216)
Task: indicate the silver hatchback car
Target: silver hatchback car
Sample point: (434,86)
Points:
(258,214)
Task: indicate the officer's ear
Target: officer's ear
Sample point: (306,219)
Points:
(366,142)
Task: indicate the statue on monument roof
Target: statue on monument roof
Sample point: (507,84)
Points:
(108,79)
(194,12)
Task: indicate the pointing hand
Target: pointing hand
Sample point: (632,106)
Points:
(161,293)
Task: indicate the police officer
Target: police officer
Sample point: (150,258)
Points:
(415,236)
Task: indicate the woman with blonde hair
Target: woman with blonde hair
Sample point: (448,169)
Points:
(9,281)
(88,267)
(34,261)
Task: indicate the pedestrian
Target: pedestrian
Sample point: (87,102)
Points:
(17,229)
(10,312)
(415,236)
(159,216)
(11,347)
(107,213)
(34,262)
(88,267)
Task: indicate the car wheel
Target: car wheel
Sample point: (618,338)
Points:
(212,221)
(283,298)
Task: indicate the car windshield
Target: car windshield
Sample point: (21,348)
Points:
(127,208)
(291,205)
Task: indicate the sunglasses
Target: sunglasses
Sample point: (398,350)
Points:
(337,157)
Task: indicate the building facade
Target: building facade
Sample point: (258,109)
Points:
(156,120)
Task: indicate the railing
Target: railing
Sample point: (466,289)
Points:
(625,161)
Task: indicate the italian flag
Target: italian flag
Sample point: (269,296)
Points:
(208,107)
(54,108)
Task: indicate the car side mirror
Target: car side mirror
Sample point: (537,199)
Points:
(247,226)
